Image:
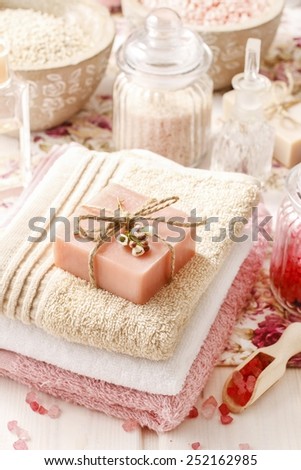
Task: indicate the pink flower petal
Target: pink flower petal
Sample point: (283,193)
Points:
(58,131)
(196,445)
(101,121)
(20,445)
(130,424)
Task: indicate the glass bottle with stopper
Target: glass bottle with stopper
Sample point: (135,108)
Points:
(163,95)
(245,143)
(14,127)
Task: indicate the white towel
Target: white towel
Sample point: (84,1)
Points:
(161,377)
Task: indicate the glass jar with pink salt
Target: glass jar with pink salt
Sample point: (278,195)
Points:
(285,270)
(163,95)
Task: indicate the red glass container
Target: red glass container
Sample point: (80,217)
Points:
(285,270)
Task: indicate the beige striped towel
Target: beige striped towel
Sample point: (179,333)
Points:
(34,291)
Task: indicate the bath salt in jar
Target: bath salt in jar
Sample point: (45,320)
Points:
(163,95)
(285,270)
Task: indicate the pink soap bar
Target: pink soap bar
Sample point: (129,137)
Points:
(134,278)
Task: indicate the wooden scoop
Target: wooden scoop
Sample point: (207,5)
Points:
(287,346)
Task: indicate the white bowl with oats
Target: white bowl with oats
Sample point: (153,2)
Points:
(61,48)
(224,25)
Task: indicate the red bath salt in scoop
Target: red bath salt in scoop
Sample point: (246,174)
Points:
(241,386)
(261,370)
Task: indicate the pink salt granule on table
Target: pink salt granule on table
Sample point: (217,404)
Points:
(244,446)
(20,445)
(213,12)
(14,428)
(34,406)
(32,399)
(223,409)
(196,446)
(193,413)
(208,407)
(226,419)
(54,412)
(130,425)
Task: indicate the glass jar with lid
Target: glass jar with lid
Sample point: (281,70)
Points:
(163,95)
(285,270)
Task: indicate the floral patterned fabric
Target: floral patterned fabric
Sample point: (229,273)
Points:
(261,324)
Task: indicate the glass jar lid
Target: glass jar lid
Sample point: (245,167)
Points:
(164,48)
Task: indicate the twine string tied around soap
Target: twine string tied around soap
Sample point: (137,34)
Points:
(127,220)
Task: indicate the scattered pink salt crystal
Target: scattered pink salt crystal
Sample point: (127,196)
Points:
(193,413)
(23,434)
(130,424)
(223,409)
(196,445)
(34,405)
(42,410)
(54,412)
(20,445)
(226,419)
(244,446)
(208,407)
(12,426)
(30,397)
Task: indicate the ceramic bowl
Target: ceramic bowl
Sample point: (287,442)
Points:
(59,90)
(227,42)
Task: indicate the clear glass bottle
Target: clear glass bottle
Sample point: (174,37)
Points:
(285,268)
(163,96)
(14,127)
(246,142)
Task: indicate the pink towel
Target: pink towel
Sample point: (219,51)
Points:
(157,412)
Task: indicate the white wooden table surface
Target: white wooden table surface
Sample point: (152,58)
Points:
(273,422)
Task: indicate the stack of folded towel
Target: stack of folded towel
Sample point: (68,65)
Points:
(144,362)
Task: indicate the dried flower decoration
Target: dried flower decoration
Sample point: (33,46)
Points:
(136,239)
